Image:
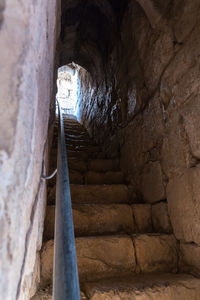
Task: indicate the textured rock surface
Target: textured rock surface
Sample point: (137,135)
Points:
(43,294)
(104,256)
(183,194)
(102,219)
(145,287)
(104,194)
(147,110)
(160,218)
(47,262)
(92,219)
(142,217)
(104,178)
(27,42)
(152,183)
(156,253)
(101,165)
(190,258)
(98,257)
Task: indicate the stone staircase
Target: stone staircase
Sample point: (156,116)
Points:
(125,250)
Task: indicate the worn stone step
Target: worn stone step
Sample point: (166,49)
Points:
(74,135)
(156,253)
(74,126)
(46,294)
(142,213)
(77,164)
(103,165)
(163,286)
(85,155)
(104,178)
(97,257)
(98,165)
(100,194)
(77,154)
(87,149)
(117,255)
(76,138)
(91,194)
(76,141)
(79,143)
(90,177)
(71,125)
(76,177)
(77,133)
(94,219)
(71,122)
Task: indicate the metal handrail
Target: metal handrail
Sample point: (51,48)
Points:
(65,278)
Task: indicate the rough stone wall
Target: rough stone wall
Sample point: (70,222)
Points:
(146,109)
(27,42)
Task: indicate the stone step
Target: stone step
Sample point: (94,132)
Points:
(46,294)
(76,141)
(77,164)
(74,126)
(79,143)
(103,165)
(156,253)
(87,153)
(95,219)
(71,122)
(67,120)
(163,286)
(98,165)
(97,257)
(87,149)
(142,214)
(85,156)
(75,132)
(91,177)
(104,178)
(76,177)
(71,125)
(82,165)
(74,135)
(77,154)
(99,194)
(70,119)
(77,138)
(104,256)
(91,194)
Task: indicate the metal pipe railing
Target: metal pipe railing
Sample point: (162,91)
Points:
(65,274)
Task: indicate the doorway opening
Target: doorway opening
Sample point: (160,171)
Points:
(68,89)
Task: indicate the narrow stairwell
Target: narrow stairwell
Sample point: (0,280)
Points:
(121,253)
